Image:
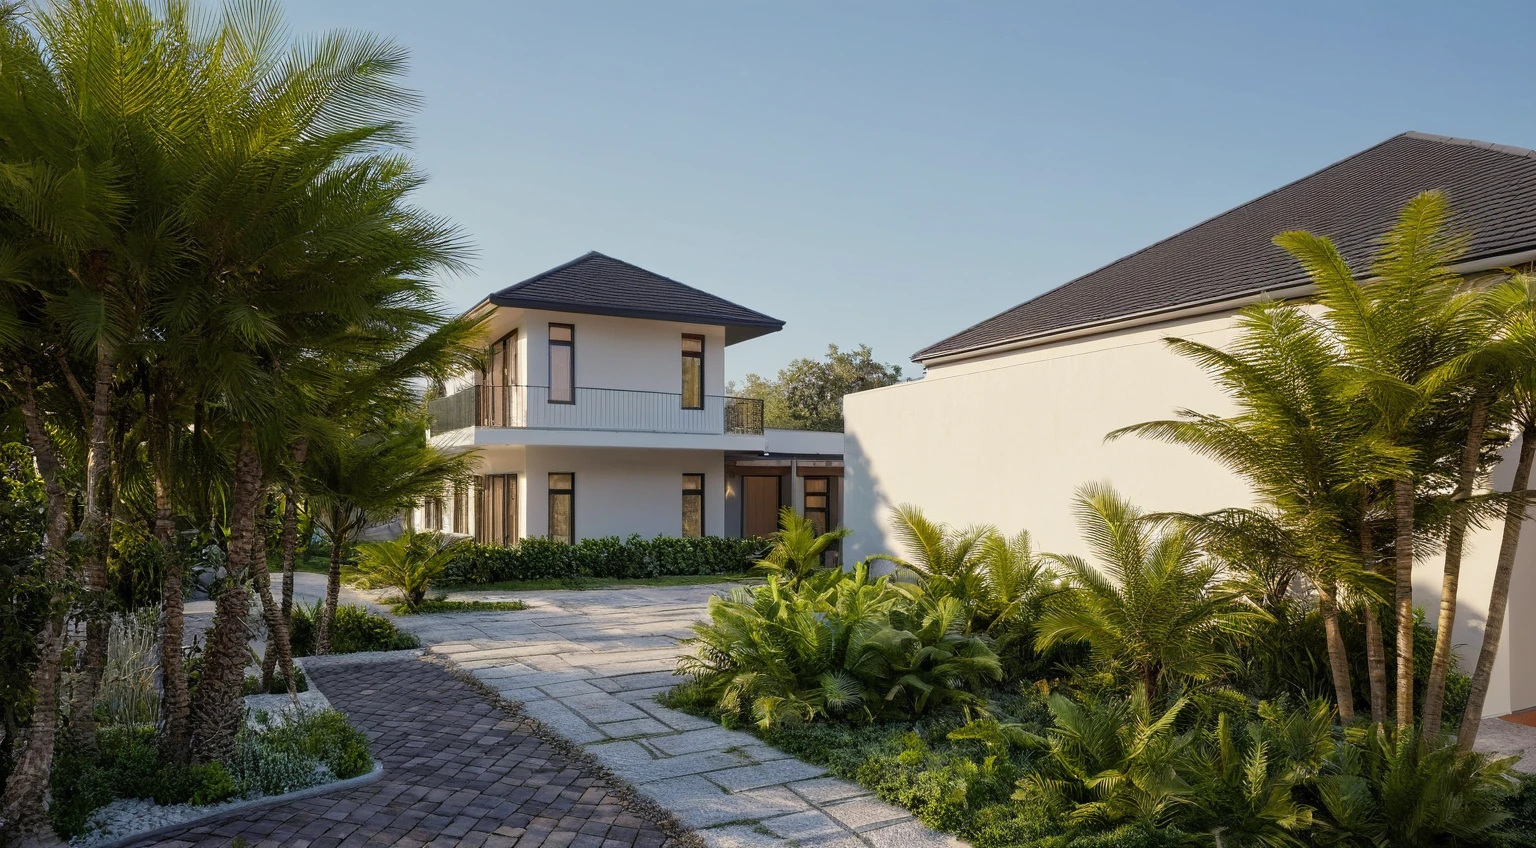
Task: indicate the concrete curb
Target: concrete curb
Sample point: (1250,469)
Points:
(253,804)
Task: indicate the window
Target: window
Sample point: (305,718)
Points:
(693,506)
(562,363)
(432,514)
(496,381)
(496,518)
(693,371)
(817,504)
(562,506)
(460,509)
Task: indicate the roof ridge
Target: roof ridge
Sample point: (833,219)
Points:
(1472,142)
(555,270)
(916,356)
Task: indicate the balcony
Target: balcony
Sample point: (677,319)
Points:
(594,409)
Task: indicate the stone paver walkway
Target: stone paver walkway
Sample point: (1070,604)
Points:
(589,664)
(458,771)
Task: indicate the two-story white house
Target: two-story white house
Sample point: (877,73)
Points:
(601,411)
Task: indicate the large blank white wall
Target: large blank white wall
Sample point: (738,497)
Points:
(1007,439)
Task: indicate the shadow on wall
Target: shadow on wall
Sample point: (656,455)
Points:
(866,508)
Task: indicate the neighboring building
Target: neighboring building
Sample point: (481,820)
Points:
(601,411)
(1011,416)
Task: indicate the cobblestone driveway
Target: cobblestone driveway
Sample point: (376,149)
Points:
(589,665)
(458,771)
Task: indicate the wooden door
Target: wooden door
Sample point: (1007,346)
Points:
(760,505)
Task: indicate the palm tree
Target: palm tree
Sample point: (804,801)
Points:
(1301,451)
(408,564)
(945,560)
(798,550)
(367,477)
(1157,608)
(1515,354)
(1404,340)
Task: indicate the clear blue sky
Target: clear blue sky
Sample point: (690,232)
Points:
(893,172)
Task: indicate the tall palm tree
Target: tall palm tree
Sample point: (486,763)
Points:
(1155,607)
(1515,355)
(1404,339)
(1302,452)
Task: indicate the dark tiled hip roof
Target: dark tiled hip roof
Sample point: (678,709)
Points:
(1491,189)
(601,285)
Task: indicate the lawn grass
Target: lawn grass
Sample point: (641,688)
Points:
(433,607)
(601,583)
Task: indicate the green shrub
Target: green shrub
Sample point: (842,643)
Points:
(279,684)
(199,785)
(23,593)
(353,630)
(609,557)
(435,606)
(125,760)
(842,645)
(305,749)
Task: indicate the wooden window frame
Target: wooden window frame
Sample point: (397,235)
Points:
(571,493)
(694,493)
(461,508)
(551,361)
(699,355)
(483,503)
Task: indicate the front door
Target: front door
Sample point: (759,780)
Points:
(760,505)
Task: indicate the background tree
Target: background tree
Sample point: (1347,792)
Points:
(808,393)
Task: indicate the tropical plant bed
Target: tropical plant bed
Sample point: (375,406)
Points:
(434,607)
(124,788)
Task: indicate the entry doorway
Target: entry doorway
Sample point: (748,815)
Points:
(761,496)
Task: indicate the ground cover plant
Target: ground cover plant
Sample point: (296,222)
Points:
(355,629)
(433,606)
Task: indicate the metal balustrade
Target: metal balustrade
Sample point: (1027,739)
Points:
(594,409)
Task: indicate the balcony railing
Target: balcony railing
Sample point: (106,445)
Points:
(594,409)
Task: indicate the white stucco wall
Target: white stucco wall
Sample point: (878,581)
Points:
(621,353)
(619,492)
(1007,439)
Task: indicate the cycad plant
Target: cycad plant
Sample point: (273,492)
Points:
(1156,607)
(798,550)
(926,657)
(408,564)
(1110,761)
(1386,786)
(1247,775)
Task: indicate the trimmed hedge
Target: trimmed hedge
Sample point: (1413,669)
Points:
(608,557)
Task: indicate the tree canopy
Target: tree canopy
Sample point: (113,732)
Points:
(808,393)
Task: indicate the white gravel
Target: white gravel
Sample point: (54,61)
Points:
(126,816)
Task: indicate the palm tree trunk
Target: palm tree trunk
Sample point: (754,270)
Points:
(1375,645)
(332,589)
(23,804)
(1402,510)
(217,713)
(288,546)
(277,626)
(175,699)
(1338,658)
(1498,602)
(1455,542)
(93,524)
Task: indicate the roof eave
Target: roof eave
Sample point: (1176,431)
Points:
(928,356)
(737,330)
